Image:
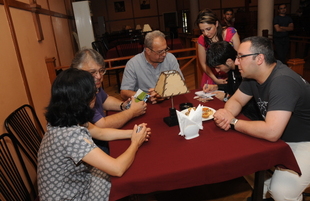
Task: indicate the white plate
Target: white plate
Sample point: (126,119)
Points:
(203,119)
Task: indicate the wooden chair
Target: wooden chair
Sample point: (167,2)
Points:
(100,47)
(53,69)
(15,179)
(306,193)
(25,125)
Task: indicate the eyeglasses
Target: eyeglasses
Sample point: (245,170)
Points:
(245,55)
(161,52)
(101,72)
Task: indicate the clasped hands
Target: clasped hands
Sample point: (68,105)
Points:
(222,118)
(141,133)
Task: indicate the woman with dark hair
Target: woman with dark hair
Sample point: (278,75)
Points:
(70,165)
(212,31)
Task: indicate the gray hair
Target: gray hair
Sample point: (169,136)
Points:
(149,38)
(84,56)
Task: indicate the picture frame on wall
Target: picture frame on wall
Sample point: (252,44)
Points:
(119,6)
(145,4)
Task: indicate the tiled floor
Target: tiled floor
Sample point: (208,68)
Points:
(238,189)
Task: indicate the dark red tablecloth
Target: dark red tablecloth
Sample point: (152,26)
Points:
(169,161)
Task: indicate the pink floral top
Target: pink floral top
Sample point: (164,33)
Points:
(230,32)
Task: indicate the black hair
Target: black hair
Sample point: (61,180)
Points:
(263,46)
(219,52)
(71,94)
(228,9)
(209,17)
(281,5)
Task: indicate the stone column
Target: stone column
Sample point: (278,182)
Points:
(265,16)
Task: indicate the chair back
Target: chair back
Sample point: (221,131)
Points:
(15,179)
(105,41)
(170,39)
(99,46)
(25,125)
(129,47)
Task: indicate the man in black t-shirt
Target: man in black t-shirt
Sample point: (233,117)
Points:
(282,25)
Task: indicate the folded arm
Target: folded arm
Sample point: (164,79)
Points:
(270,129)
(279,28)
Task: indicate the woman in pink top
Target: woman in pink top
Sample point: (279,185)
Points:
(212,31)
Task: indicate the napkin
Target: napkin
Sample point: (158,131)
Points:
(204,95)
(190,124)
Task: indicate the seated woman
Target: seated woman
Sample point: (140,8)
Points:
(70,165)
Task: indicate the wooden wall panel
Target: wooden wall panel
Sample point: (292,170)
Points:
(208,4)
(125,14)
(233,4)
(63,37)
(146,12)
(165,6)
(120,25)
(57,6)
(24,78)
(42,3)
(12,89)
(24,1)
(32,53)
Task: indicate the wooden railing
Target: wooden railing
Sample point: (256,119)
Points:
(189,54)
(298,47)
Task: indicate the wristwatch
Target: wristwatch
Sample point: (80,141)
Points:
(225,97)
(233,123)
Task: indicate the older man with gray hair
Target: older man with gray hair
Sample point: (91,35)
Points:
(142,71)
(91,61)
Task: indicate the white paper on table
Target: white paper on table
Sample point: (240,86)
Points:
(204,95)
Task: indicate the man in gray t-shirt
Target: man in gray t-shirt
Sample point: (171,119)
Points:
(142,71)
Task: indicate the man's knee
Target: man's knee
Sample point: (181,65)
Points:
(284,193)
